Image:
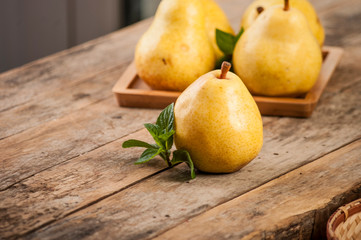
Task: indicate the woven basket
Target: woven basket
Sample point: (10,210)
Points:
(345,223)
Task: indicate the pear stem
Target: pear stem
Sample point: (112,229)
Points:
(287,5)
(224,69)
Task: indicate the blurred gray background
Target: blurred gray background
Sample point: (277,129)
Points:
(31,29)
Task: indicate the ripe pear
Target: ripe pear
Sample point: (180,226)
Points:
(175,50)
(218,122)
(215,18)
(257,7)
(278,55)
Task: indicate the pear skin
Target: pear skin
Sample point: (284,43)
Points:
(278,55)
(215,18)
(175,50)
(218,123)
(304,6)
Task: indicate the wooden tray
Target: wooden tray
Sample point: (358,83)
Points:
(131,91)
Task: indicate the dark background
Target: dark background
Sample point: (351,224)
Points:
(31,29)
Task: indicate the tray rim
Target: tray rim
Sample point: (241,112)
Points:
(302,107)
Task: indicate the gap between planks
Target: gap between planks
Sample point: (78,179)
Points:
(67,160)
(71,50)
(272,120)
(93,202)
(195,223)
(122,181)
(79,48)
(90,151)
(25,83)
(67,137)
(138,181)
(116,200)
(48,95)
(84,46)
(43,95)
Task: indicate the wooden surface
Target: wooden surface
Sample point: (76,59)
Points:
(64,174)
(131,91)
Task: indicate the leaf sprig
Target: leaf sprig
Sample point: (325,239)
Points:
(226,43)
(162,132)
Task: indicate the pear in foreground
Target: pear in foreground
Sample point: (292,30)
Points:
(257,7)
(278,55)
(218,123)
(176,49)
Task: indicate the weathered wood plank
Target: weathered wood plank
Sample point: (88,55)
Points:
(47,105)
(167,199)
(80,186)
(59,140)
(286,207)
(23,84)
(56,104)
(72,185)
(43,110)
(17,86)
(281,132)
(338,120)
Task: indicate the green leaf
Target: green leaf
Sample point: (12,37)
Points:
(155,131)
(148,154)
(136,143)
(163,134)
(166,136)
(225,41)
(239,35)
(180,156)
(163,131)
(166,118)
(169,142)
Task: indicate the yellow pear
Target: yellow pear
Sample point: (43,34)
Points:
(175,50)
(278,55)
(218,122)
(257,7)
(215,18)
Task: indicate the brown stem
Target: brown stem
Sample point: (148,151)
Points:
(287,5)
(224,69)
(260,10)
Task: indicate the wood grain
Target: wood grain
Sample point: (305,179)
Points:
(73,185)
(61,179)
(52,69)
(283,136)
(22,84)
(62,139)
(56,104)
(284,208)
(168,199)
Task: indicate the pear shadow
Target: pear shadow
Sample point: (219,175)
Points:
(181,174)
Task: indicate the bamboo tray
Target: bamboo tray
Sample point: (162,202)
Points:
(131,91)
(345,223)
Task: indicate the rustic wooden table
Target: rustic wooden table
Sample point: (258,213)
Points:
(64,174)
